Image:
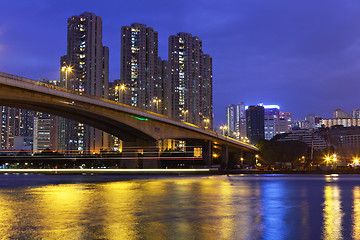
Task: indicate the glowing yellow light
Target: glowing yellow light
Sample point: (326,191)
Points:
(122,87)
(356,160)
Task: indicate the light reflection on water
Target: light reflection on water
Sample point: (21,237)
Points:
(216,207)
(332,213)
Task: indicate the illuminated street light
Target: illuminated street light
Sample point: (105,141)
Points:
(356,161)
(157,103)
(184,113)
(207,121)
(118,91)
(256,159)
(67,70)
(224,128)
(327,160)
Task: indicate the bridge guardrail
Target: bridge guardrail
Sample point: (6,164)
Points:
(51,86)
(48,85)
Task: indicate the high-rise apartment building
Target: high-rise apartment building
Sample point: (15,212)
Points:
(89,61)
(42,129)
(271,116)
(16,126)
(284,124)
(236,121)
(255,123)
(139,60)
(190,80)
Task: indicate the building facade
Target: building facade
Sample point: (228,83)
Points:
(42,132)
(189,88)
(271,117)
(236,121)
(89,61)
(255,123)
(139,61)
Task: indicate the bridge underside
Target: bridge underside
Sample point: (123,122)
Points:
(113,119)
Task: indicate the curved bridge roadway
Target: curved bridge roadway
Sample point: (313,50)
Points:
(128,123)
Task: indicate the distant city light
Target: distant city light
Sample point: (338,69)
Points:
(266,106)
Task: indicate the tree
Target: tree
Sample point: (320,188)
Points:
(281,151)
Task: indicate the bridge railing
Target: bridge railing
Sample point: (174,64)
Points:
(48,85)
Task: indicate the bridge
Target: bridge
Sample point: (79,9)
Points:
(128,123)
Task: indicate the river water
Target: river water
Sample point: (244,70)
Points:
(180,207)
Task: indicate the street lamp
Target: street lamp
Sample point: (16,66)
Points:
(256,159)
(356,161)
(118,89)
(184,113)
(157,103)
(66,70)
(223,128)
(242,162)
(207,121)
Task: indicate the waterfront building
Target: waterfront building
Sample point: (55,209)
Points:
(16,124)
(307,136)
(271,117)
(255,123)
(89,61)
(311,121)
(139,60)
(338,113)
(355,113)
(190,80)
(236,121)
(346,122)
(42,129)
(284,123)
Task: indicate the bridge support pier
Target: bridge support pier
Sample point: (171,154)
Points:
(225,156)
(207,153)
(144,154)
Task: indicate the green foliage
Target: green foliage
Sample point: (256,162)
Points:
(284,151)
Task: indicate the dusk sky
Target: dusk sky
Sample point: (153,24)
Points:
(302,55)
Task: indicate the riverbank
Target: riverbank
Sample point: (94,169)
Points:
(173,171)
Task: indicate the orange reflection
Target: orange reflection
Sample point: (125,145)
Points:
(7,216)
(182,208)
(356,213)
(332,213)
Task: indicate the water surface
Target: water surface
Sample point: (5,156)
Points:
(211,207)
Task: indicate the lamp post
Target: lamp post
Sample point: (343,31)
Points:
(207,121)
(223,128)
(256,159)
(157,104)
(237,135)
(184,113)
(119,89)
(356,162)
(66,70)
(334,159)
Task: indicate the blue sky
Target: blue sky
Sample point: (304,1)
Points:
(302,55)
